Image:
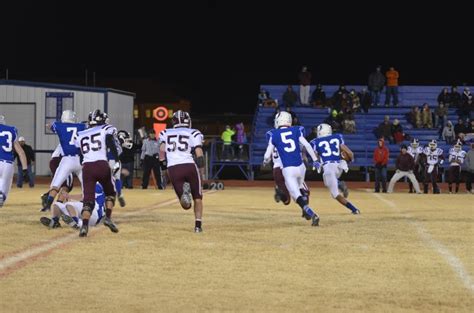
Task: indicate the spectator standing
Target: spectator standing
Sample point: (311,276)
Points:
(30,160)
(448,134)
(392,86)
(381,155)
(227,143)
(240,139)
(466,104)
(469,163)
(290,97)
(405,165)
(305,83)
(376,83)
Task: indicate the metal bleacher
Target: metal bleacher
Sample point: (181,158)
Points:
(363,142)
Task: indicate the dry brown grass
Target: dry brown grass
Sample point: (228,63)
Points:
(254,255)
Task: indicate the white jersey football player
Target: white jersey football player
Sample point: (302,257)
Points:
(8,145)
(177,146)
(67,131)
(433,157)
(287,139)
(455,159)
(94,143)
(417,153)
(328,148)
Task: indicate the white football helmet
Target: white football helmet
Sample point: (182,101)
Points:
(458,146)
(2,120)
(433,144)
(68,116)
(283,118)
(324,130)
(125,139)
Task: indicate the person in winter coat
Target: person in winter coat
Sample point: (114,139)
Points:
(375,84)
(381,155)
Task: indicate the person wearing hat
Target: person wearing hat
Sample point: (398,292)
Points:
(405,165)
(30,160)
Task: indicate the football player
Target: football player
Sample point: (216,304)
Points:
(177,147)
(329,148)
(286,140)
(416,152)
(93,144)
(67,131)
(8,145)
(455,159)
(433,157)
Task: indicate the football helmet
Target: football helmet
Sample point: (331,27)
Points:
(415,143)
(457,146)
(283,118)
(324,130)
(97,117)
(68,116)
(433,144)
(181,119)
(125,139)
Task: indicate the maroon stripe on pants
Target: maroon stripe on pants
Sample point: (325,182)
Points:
(96,172)
(187,172)
(280,181)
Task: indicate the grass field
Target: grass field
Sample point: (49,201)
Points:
(404,253)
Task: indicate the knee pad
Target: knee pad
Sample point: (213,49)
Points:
(88,207)
(111,199)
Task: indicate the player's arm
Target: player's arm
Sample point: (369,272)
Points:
(308,148)
(347,151)
(267,157)
(162,157)
(21,154)
(110,143)
(200,160)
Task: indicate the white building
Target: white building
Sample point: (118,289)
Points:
(30,105)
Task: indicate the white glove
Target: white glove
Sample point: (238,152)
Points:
(343,166)
(430,168)
(441,161)
(266,161)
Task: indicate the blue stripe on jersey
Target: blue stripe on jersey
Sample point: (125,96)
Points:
(100,201)
(328,148)
(8,136)
(287,143)
(67,132)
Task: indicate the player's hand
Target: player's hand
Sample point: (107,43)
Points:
(397,171)
(266,161)
(116,167)
(441,161)
(317,166)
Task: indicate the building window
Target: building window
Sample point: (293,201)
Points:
(56,103)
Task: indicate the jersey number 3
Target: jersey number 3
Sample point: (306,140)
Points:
(9,146)
(331,147)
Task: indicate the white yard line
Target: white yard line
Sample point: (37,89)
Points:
(453,261)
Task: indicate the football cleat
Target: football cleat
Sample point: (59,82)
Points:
(44,200)
(121,201)
(69,221)
(356,212)
(315,220)
(186,197)
(50,223)
(108,222)
(83,231)
(198,229)
(2,199)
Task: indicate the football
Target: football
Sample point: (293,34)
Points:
(345,156)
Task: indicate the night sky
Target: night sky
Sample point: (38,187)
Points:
(217,54)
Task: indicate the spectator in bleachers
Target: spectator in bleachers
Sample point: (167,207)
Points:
(469,163)
(318,98)
(305,83)
(339,94)
(335,120)
(384,130)
(441,113)
(392,86)
(271,119)
(348,122)
(376,83)
(448,133)
(354,101)
(426,116)
(264,99)
(294,117)
(460,128)
(290,97)
(313,134)
(454,97)
(444,97)
(381,155)
(365,99)
(414,117)
(405,165)
(466,104)
(470,127)
(397,131)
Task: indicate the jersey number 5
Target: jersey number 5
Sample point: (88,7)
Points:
(288,141)
(182,141)
(95,144)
